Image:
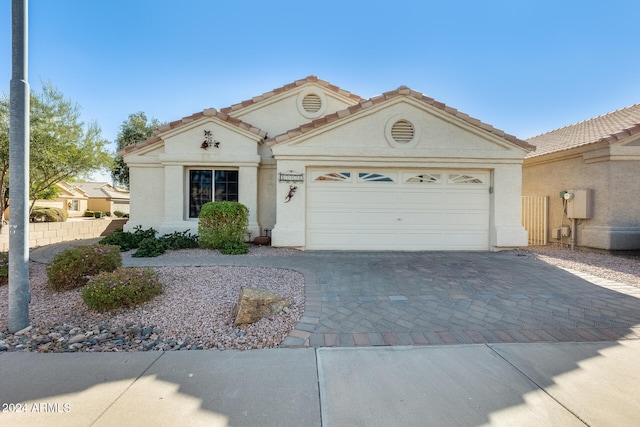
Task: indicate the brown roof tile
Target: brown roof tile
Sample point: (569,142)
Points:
(401,91)
(290,86)
(610,128)
(209,112)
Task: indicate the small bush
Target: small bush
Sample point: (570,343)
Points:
(235,247)
(88,213)
(222,222)
(150,247)
(124,287)
(119,214)
(127,240)
(48,214)
(4,268)
(180,240)
(71,268)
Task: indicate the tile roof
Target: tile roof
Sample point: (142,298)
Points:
(101,190)
(290,86)
(209,112)
(610,128)
(401,91)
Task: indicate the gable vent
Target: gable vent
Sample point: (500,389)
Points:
(311,103)
(402,131)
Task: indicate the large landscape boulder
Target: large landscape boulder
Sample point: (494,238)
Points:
(256,304)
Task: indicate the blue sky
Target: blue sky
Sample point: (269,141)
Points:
(524,66)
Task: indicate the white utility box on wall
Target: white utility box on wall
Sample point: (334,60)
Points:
(580,206)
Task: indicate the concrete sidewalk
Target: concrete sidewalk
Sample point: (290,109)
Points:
(542,384)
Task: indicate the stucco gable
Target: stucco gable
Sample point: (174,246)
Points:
(292,105)
(70,190)
(278,92)
(387,97)
(187,123)
(440,131)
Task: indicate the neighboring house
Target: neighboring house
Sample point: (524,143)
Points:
(104,197)
(323,168)
(70,198)
(597,164)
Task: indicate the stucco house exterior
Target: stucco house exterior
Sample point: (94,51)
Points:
(70,198)
(324,169)
(104,197)
(595,166)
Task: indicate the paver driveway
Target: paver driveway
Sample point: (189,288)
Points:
(456,297)
(420,298)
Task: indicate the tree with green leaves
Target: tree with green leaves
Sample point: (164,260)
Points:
(135,129)
(61,146)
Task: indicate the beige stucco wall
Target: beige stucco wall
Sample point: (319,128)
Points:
(102,205)
(146,185)
(440,142)
(615,223)
(285,112)
(267,197)
(159,174)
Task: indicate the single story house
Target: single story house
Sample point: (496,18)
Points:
(104,197)
(590,171)
(324,169)
(70,198)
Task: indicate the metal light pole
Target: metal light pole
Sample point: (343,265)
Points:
(19,294)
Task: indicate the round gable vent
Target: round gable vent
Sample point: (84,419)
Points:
(311,103)
(402,131)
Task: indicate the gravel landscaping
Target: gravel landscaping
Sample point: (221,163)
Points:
(195,310)
(623,268)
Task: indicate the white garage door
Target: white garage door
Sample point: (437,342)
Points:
(358,209)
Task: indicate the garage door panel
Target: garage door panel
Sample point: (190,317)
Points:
(466,241)
(422,219)
(444,211)
(331,241)
(466,220)
(467,201)
(428,241)
(341,195)
(381,220)
(371,197)
(325,219)
(432,199)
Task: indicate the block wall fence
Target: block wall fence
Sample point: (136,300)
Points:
(47,233)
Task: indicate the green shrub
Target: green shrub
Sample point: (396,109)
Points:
(119,214)
(124,287)
(48,214)
(127,240)
(222,222)
(150,247)
(88,213)
(71,268)
(235,247)
(4,268)
(180,240)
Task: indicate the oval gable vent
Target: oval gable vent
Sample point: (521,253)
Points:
(311,103)
(402,131)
